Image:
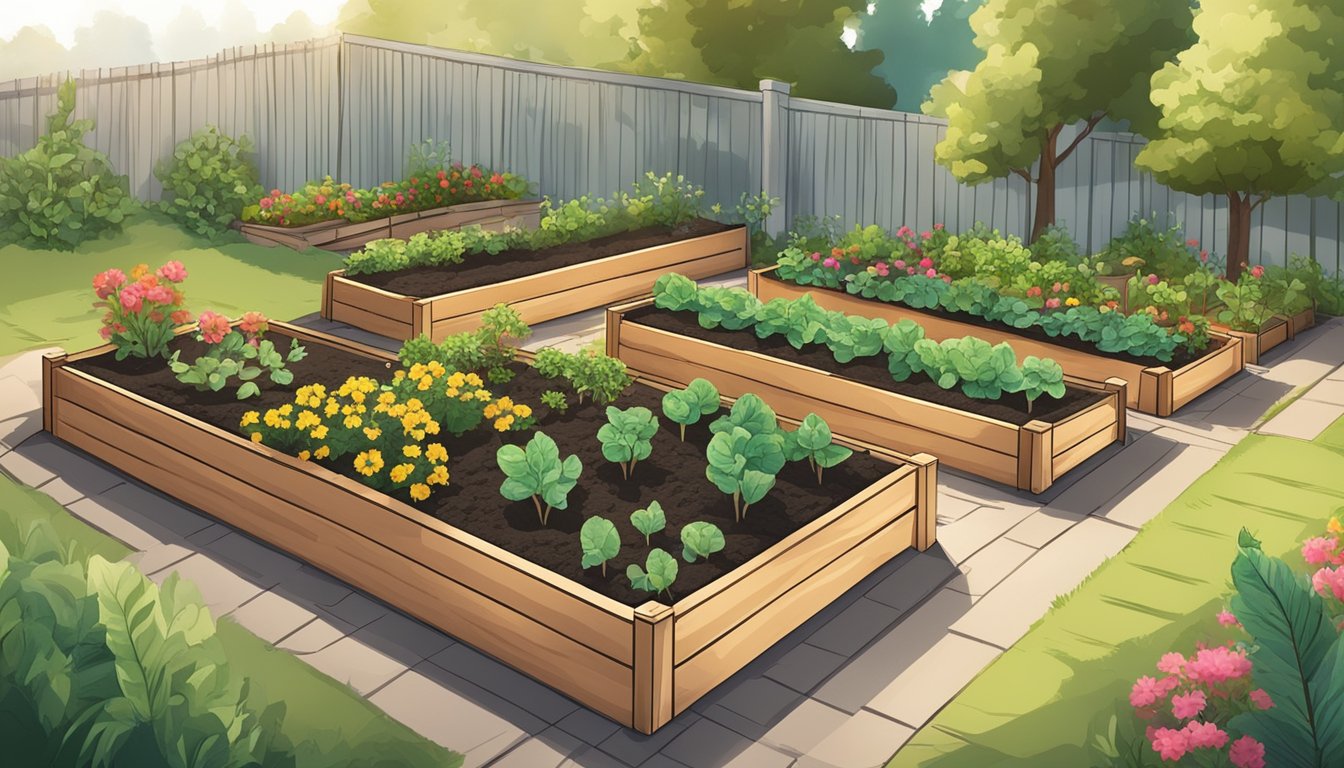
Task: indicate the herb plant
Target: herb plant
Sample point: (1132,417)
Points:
(686,406)
(627,435)
(699,540)
(813,441)
(600,542)
(649,521)
(555,400)
(598,375)
(658,574)
(501,326)
(537,473)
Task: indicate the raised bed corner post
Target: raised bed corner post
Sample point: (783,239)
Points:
(652,707)
(1035,451)
(1121,389)
(926,500)
(774,152)
(1155,389)
(50,362)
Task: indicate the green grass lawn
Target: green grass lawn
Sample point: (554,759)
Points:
(339,727)
(1039,703)
(46,297)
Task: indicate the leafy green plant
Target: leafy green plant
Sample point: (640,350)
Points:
(745,453)
(501,327)
(666,201)
(649,521)
(686,406)
(598,375)
(900,344)
(799,320)
(555,400)
(1244,304)
(600,542)
(627,436)
(750,413)
(813,441)
(234,355)
(676,292)
(984,371)
(418,350)
(658,574)
(537,473)
(850,337)
(208,181)
(61,192)
(552,363)
(1041,377)
(699,540)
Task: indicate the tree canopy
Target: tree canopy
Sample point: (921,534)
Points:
(919,51)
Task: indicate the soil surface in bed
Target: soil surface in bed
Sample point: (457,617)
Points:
(483,269)
(870,370)
(674,475)
(1178,360)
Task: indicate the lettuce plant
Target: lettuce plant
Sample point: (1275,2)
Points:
(1041,377)
(537,473)
(555,400)
(686,406)
(658,574)
(813,441)
(799,320)
(984,371)
(600,542)
(850,337)
(627,436)
(675,292)
(750,413)
(900,344)
(649,521)
(699,540)
(744,465)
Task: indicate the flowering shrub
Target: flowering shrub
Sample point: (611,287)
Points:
(142,309)
(241,354)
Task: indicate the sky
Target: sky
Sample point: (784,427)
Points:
(62,16)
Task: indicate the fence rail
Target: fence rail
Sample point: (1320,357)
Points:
(351,106)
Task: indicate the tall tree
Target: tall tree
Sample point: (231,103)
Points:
(113,39)
(32,51)
(920,50)
(741,42)
(1254,109)
(1049,64)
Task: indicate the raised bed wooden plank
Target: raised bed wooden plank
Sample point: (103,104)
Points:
(341,235)
(547,295)
(1153,390)
(613,658)
(1023,457)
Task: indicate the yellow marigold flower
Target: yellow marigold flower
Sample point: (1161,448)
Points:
(419,492)
(319,432)
(249,418)
(368,463)
(436,453)
(333,408)
(436,369)
(431,427)
(387,398)
(304,455)
(425,383)
(414,404)
(522,411)
(302,394)
(1072,302)
(411,451)
(272,419)
(400,472)
(399,375)
(353,422)
(1333,526)
(373,433)
(505,403)
(286,409)
(322,452)
(357,396)
(256,437)
(307,419)
(483,395)
(284,423)
(417,371)
(503,423)
(474,380)
(457,380)
(438,477)
(491,411)
(396,411)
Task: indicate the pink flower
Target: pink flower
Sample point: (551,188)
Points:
(926,234)
(106,283)
(947,279)
(816,256)
(1171,663)
(1319,550)
(881,269)
(925,263)
(132,299)
(1257,271)
(910,270)
(1034,291)
(1188,705)
(1170,743)
(1212,666)
(1052,303)
(159,294)
(266,203)
(1057,287)
(1192,243)
(1260,699)
(180,317)
(1226,619)
(1247,753)
(931,272)
(938,227)
(904,231)
(173,272)
(320,199)
(899,264)
(1329,581)
(105,332)
(1204,256)
(253,323)
(1152,280)
(1204,735)
(831,262)
(1145,693)
(214,327)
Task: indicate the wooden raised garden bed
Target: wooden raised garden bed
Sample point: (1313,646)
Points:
(1156,390)
(1274,332)
(639,665)
(342,235)
(1030,457)
(537,298)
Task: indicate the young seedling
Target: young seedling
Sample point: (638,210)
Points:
(627,435)
(687,406)
(700,540)
(812,441)
(744,465)
(657,575)
(649,521)
(536,472)
(1041,377)
(600,542)
(555,400)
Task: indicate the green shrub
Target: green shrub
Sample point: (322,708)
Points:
(208,181)
(61,192)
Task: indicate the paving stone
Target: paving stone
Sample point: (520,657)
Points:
(484,671)
(1040,528)
(587,725)
(1336,375)
(869,672)
(1213,442)
(806,726)
(358,610)
(706,743)
(456,714)
(951,508)
(316,634)
(403,638)
(759,699)
(222,589)
(17,398)
(27,368)
(927,684)
(257,561)
(208,534)
(18,465)
(313,587)
(138,516)
(159,557)
(549,749)
(65,473)
(67,490)
(804,667)
(570,325)
(351,662)
(1302,369)
(991,565)
(1004,615)
(914,581)
(1327,391)
(633,747)
(1145,497)
(867,740)
(1304,419)
(592,757)
(14,431)
(662,761)
(854,627)
(271,616)
(970,534)
(1107,481)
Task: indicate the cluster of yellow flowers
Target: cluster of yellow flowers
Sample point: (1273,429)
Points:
(508,414)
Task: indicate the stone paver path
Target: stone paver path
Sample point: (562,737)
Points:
(845,690)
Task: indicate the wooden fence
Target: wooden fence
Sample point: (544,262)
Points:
(351,106)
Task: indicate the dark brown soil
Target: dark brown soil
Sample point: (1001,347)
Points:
(870,370)
(483,269)
(1179,359)
(674,475)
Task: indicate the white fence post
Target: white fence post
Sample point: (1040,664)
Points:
(775,151)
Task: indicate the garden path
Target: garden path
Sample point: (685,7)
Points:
(846,690)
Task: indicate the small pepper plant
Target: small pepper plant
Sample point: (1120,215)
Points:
(537,473)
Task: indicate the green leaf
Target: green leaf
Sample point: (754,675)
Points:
(650,520)
(248,389)
(755,485)
(599,540)
(657,575)
(512,460)
(831,455)
(700,540)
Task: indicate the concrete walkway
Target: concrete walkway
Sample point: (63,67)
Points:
(847,689)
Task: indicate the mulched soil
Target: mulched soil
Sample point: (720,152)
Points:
(1179,359)
(871,370)
(673,475)
(484,269)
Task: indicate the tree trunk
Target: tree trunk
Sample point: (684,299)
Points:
(1045,186)
(1238,234)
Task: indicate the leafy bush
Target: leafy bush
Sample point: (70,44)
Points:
(537,473)
(589,372)
(61,192)
(600,542)
(1144,246)
(686,406)
(813,441)
(501,327)
(649,520)
(208,181)
(699,540)
(627,436)
(658,574)
(800,320)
